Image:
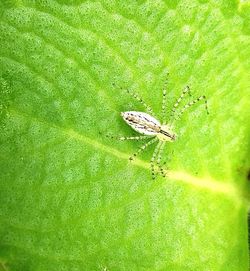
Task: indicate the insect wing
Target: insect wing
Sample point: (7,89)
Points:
(142,122)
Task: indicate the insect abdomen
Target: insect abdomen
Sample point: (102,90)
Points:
(142,122)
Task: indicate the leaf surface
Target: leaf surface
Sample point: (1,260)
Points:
(69,197)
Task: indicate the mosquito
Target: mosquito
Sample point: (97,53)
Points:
(151,128)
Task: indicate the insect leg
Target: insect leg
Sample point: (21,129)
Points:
(138,98)
(163,106)
(122,138)
(159,159)
(142,148)
(203,97)
(185,90)
(152,161)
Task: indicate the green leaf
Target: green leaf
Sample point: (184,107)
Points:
(70,199)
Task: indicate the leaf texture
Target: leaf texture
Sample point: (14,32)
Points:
(69,197)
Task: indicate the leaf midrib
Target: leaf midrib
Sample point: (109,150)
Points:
(206,182)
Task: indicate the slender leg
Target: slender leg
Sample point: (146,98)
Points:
(152,161)
(192,103)
(122,138)
(168,160)
(142,148)
(138,98)
(163,107)
(185,90)
(159,159)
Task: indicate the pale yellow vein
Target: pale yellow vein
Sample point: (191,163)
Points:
(205,182)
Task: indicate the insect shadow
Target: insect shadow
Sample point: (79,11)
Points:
(154,130)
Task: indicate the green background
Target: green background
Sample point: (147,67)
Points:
(69,197)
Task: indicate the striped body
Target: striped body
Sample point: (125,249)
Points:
(154,130)
(145,124)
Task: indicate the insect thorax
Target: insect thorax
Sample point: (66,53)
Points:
(166,134)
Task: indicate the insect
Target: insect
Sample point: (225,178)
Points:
(153,129)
